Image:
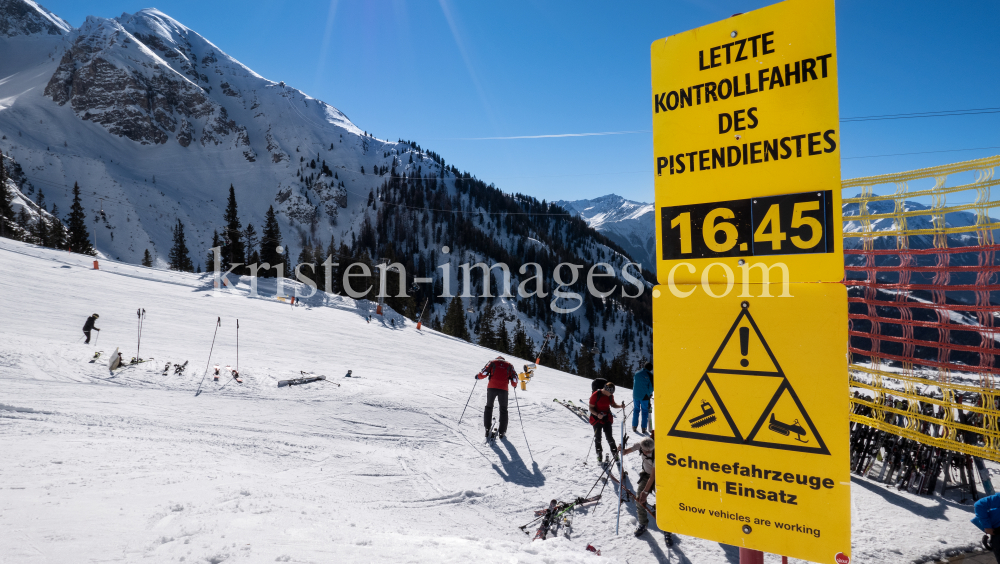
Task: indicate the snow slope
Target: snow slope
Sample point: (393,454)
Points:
(155,122)
(136,467)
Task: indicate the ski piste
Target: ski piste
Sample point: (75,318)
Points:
(577,410)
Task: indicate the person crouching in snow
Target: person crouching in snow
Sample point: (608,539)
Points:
(988,519)
(647,479)
(89,326)
(501,373)
(601,403)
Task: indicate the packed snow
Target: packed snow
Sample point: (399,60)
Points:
(134,466)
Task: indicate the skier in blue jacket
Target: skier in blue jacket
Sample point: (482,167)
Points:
(642,392)
(988,519)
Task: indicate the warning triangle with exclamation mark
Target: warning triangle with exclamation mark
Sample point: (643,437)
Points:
(745,398)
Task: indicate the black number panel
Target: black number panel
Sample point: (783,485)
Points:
(773,225)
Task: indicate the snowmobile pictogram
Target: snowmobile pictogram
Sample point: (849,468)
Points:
(707,415)
(786,429)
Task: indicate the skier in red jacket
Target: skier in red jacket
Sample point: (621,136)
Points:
(501,373)
(601,402)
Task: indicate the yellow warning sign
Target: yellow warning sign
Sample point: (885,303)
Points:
(752,409)
(746,142)
(766,412)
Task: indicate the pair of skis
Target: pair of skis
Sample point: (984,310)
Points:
(178,368)
(581,412)
(491,436)
(556,514)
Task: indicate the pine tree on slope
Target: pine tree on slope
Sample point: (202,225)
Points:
(252,244)
(210,258)
(232,248)
(147,260)
(57,231)
(454,320)
(270,240)
(79,239)
(178,257)
(6,211)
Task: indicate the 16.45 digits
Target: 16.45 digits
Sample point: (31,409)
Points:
(773,225)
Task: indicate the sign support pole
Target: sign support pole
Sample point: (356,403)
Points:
(750,556)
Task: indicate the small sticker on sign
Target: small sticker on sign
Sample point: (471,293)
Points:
(842,558)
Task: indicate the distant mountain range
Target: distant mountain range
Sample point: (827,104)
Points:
(156,122)
(630,224)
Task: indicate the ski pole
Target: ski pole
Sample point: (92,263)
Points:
(621,474)
(218,323)
(237,346)
(142,321)
(138,315)
(468,400)
(95,338)
(588,453)
(522,425)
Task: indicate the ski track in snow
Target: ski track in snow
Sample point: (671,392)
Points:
(132,466)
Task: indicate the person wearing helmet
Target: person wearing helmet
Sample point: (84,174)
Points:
(501,374)
(601,402)
(89,326)
(647,479)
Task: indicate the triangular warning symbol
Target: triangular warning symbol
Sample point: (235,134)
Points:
(705,416)
(745,396)
(785,424)
(744,393)
(744,350)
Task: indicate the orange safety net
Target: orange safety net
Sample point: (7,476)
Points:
(924,297)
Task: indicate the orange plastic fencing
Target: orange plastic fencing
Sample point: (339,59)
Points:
(924,299)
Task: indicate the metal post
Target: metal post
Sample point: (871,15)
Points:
(750,556)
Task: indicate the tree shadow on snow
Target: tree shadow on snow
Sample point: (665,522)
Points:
(933,512)
(514,469)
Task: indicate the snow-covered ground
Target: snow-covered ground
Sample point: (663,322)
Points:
(136,467)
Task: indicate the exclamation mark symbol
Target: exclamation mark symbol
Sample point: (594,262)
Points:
(744,345)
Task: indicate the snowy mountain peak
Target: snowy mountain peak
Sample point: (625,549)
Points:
(629,223)
(607,209)
(25,17)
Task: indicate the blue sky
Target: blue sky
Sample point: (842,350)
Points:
(441,71)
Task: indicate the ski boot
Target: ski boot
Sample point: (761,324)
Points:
(668,538)
(502,436)
(640,531)
(635,429)
(600,458)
